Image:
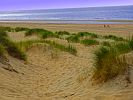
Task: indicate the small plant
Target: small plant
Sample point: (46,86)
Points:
(71,49)
(18,29)
(114,38)
(108,64)
(62,33)
(131,43)
(43,33)
(92,35)
(5,29)
(2,50)
(73,39)
(3,34)
(89,42)
(106,43)
(11,47)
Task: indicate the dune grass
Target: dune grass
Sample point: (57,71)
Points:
(73,38)
(2,50)
(62,33)
(71,49)
(113,38)
(19,29)
(131,43)
(11,47)
(92,35)
(88,42)
(6,29)
(110,61)
(43,33)
(25,45)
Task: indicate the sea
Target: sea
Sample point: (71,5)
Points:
(89,15)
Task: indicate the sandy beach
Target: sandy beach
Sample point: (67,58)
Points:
(124,30)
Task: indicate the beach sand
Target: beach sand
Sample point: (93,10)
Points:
(124,30)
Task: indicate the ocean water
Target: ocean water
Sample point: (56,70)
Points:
(71,15)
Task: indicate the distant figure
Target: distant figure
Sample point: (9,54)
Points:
(106,26)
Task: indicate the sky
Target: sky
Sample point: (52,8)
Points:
(10,5)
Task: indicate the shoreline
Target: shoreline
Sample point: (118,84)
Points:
(70,21)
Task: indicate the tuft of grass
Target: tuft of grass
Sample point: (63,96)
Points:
(131,43)
(110,61)
(5,29)
(18,29)
(92,35)
(73,38)
(62,33)
(108,64)
(11,47)
(71,49)
(43,33)
(3,34)
(25,45)
(2,50)
(106,43)
(113,38)
(89,42)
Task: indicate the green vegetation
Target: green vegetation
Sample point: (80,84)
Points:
(106,43)
(131,43)
(110,61)
(11,47)
(71,49)
(19,29)
(89,42)
(2,50)
(73,38)
(28,44)
(43,33)
(5,29)
(62,33)
(114,38)
(83,34)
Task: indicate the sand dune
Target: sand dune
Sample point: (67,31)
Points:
(59,77)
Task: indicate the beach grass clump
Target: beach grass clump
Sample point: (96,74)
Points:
(113,38)
(131,43)
(62,33)
(110,61)
(108,64)
(15,51)
(6,29)
(84,34)
(19,29)
(43,33)
(2,50)
(123,47)
(106,43)
(11,47)
(25,45)
(71,49)
(3,34)
(73,38)
(89,42)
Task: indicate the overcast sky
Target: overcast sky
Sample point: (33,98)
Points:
(51,4)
